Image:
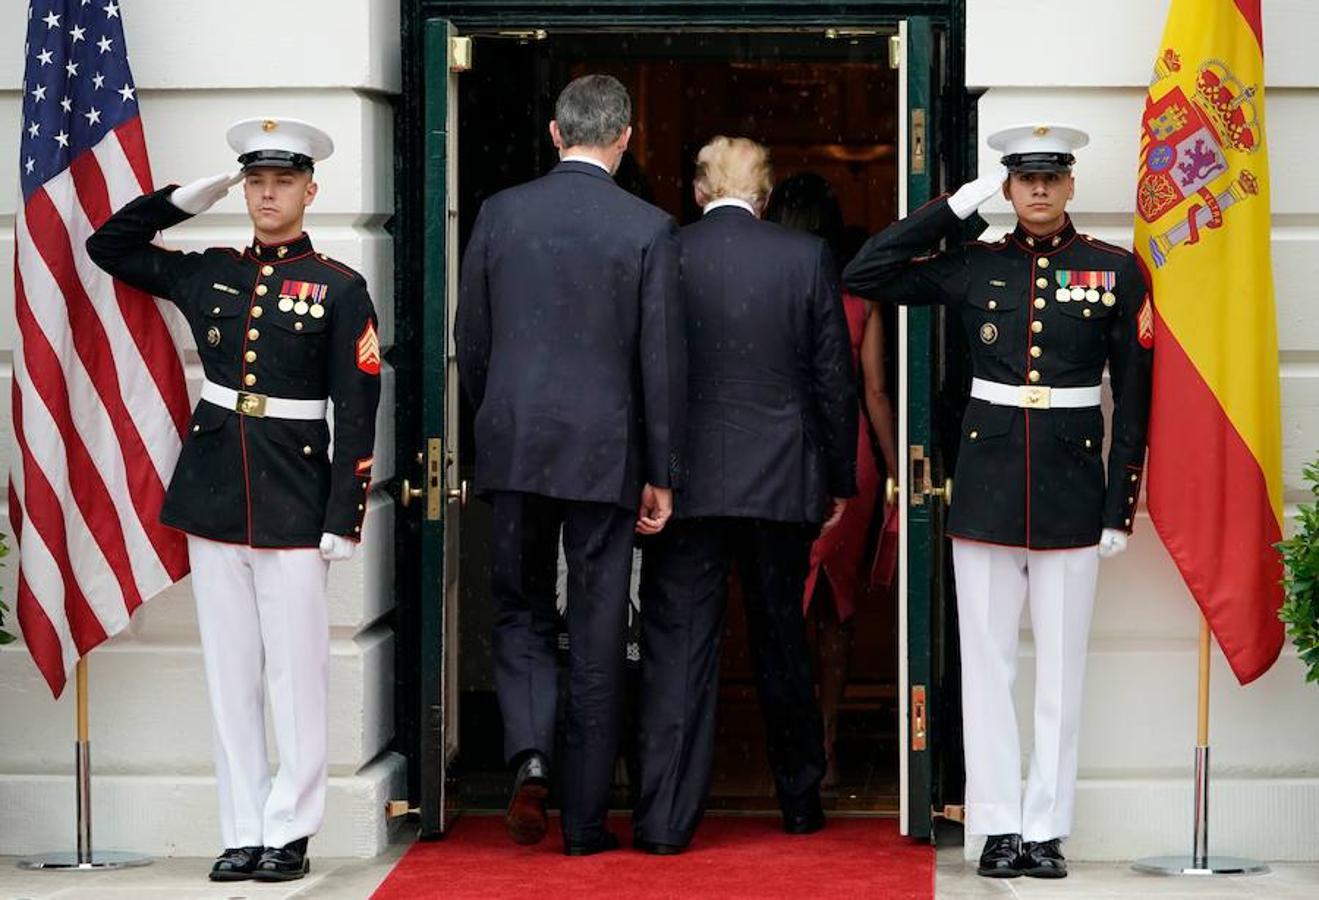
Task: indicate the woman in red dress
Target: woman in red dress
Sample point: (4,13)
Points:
(806,201)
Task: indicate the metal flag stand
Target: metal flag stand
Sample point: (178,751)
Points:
(84,859)
(1200,862)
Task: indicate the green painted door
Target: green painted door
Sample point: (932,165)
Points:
(440,493)
(919,497)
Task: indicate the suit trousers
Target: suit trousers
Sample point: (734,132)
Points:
(993,584)
(684,587)
(597,541)
(261,609)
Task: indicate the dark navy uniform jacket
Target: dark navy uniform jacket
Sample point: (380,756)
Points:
(771,398)
(246,479)
(570,340)
(1031,477)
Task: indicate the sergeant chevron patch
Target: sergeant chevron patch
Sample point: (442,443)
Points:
(1145,324)
(368,350)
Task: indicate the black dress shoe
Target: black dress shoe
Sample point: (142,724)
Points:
(236,864)
(603,844)
(805,817)
(1001,857)
(657,848)
(1044,859)
(525,820)
(287,863)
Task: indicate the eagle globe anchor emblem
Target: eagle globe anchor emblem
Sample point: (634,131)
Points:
(1184,151)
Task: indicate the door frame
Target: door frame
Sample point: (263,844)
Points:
(420,246)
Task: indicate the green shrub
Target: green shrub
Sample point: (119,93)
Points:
(1300,581)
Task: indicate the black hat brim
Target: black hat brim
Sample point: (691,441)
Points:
(276,159)
(1039,162)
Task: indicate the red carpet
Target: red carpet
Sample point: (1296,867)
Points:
(731,858)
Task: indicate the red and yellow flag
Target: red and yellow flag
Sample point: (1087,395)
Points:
(1202,233)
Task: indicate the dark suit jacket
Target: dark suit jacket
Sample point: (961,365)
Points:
(570,340)
(771,400)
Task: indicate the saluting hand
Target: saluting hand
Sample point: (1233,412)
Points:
(656,507)
(198,196)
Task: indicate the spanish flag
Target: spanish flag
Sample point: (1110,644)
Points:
(1202,233)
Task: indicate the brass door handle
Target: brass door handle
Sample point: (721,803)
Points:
(408,493)
(459,493)
(890,491)
(944,493)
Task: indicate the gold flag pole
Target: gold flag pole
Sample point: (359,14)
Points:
(84,858)
(1200,862)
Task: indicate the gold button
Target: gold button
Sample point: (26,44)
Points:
(297,326)
(1043,262)
(1133,478)
(196,428)
(1040,302)
(1131,499)
(974,435)
(261,289)
(256,312)
(216,311)
(993,304)
(1128,521)
(1033,376)
(1086,312)
(253,334)
(1037,326)
(361,507)
(1088,443)
(267,270)
(358,528)
(250,356)
(249,379)
(1036,352)
(1041,282)
(306,450)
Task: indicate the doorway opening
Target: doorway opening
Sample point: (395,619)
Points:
(823,104)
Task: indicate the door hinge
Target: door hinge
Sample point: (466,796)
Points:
(895,52)
(460,53)
(919,720)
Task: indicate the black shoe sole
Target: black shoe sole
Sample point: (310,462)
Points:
(1044,873)
(657,849)
(231,876)
(999,873)
(526,820)
(260,875)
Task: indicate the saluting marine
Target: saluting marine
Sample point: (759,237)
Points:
(282,331)
(1044,310)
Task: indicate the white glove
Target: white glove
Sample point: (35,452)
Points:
(971,195)
(336,548)
(200,195)
(1112,542)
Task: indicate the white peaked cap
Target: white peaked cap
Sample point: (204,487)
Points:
(288,143)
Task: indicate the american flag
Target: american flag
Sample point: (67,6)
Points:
(99,397)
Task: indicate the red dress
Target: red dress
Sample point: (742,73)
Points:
(840,553)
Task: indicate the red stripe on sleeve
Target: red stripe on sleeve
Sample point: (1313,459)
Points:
(1210,503)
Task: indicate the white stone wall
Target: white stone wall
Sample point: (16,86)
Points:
(1089,64)
(200,66)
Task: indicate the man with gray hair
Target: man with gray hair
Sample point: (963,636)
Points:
(570,346)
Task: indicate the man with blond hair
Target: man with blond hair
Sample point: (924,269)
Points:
(770,447)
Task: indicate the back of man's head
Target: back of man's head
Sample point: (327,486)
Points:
(733,167)
(592,111)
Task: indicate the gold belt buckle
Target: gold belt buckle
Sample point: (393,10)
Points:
(1034,396)
(251,404)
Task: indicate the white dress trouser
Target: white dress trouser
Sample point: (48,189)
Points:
(265,609)
(993,583)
